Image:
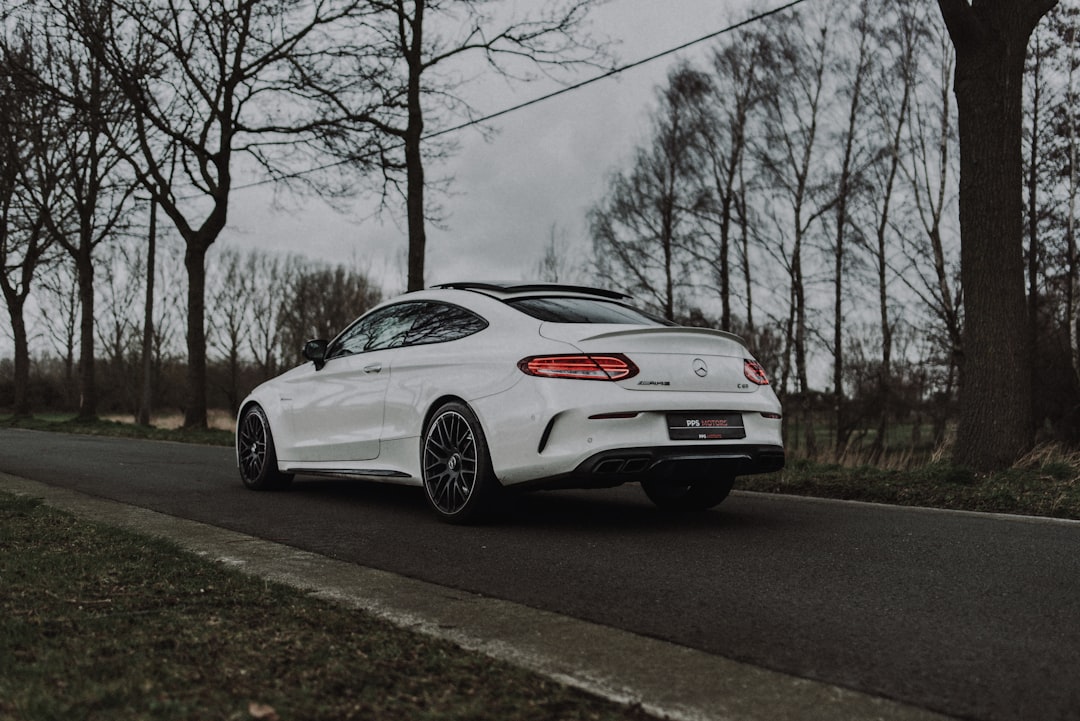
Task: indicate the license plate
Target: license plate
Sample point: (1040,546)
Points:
(705,426)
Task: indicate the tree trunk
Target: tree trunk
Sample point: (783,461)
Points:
(414,162)
(745,247)
(667,241)
(415,201)
(839,414)
(21,402)
(798,291)
(995,385)
(195,406)
(725,253)
(146,397)
(87,371)
(995,424)
(1032,195)
(884,380)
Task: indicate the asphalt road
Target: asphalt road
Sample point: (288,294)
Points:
(963,614)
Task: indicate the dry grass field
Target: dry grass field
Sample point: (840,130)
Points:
(217,418)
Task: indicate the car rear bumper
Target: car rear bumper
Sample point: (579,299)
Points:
(630,465)
(543,430)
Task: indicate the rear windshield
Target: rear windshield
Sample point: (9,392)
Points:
(583,310)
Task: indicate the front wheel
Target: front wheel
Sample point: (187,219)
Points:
(459,482)
(256,453)
(699,495)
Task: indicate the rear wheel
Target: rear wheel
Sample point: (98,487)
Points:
(697,495)
(459,482)
(256,453)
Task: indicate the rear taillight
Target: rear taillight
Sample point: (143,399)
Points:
(754,372)
(609,367)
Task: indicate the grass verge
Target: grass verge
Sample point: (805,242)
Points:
(99,623)
(1045,483)
(61,423)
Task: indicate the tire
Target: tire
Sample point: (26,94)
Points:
(459,483)
(697,495)
(256,454)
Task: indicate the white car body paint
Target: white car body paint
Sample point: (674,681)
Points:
(364,414)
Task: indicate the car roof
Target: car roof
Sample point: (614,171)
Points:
(511,289)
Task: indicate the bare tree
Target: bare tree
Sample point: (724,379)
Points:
(1047,113)
(146,397)
(1036,129)
(418,48)
(118,321)
(901,36)
(231,290)
(237,86)
(29,134)
(319,302)
(558,263)
(1069,131)
(269,275)
(736,91)
(789,160)
(746,223)
(855,156)
(125,271)
(930,168)
(58,305)
(641,230)
(991,41)
(97,182)
(168,314)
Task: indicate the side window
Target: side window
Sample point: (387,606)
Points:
(385,328)
(439,323)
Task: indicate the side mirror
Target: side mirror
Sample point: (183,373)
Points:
(315,350)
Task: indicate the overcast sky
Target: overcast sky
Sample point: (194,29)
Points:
(544,168)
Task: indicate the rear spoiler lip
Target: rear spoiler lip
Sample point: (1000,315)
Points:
(512,288)
(650,330)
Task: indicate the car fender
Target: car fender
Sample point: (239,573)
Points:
(269,396)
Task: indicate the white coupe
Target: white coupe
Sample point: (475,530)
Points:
(468,389)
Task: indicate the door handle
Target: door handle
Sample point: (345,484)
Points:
(373,368)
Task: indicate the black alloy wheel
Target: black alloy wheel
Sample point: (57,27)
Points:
(459,483)
(256,454)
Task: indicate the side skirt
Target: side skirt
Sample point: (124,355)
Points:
(383,476)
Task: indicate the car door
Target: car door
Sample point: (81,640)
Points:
(337,410)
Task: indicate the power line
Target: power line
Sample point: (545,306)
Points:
(561,91)
(616,71)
